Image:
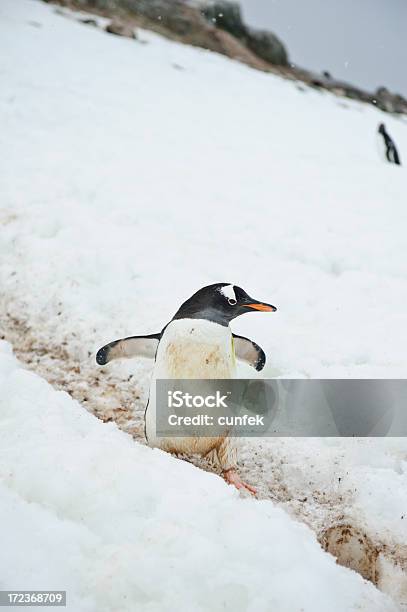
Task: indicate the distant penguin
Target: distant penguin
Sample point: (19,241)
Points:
(197,344)
(390,149)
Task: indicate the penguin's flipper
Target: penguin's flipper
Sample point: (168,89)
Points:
(125,348)
(248,351)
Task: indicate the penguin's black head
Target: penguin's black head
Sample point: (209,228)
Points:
(220,303)
(382,128)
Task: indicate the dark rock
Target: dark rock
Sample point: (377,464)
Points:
(91,22)
(121,29)
(226,16)
(267,46)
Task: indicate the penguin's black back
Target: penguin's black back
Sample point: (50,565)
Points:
(392,154)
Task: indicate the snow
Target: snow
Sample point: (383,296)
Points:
(122,526)
(139,183)
(134,173)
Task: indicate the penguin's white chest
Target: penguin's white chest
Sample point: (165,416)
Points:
(381,147)
(195,348)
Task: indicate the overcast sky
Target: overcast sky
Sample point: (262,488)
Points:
(362,41)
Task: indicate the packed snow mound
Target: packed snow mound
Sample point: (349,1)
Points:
(122,527)
(136,172)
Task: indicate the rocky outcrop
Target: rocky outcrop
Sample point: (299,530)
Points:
(227,16)
(382,98)
(218,26)
(201,25)
(120,28)
(387,101)
(176,19)
(267,46)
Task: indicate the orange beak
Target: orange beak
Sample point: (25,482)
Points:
(262,307)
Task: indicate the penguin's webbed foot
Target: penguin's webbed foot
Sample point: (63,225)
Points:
(233,478)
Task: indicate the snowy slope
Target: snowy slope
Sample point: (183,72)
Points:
(123,527)
(134,174)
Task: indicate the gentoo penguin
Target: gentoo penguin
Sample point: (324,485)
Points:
(390,149)
(197,344)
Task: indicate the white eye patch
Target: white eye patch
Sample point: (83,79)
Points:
(229,292)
